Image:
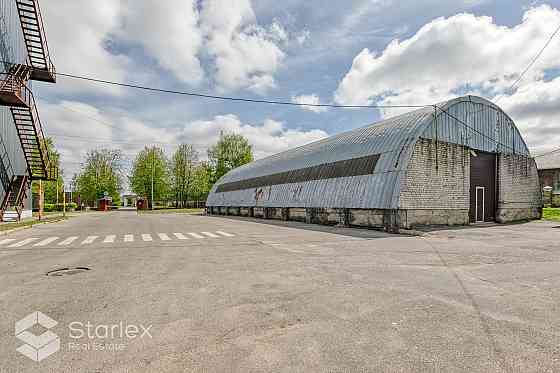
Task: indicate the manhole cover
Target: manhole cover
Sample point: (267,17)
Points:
(558,226)
(67,271)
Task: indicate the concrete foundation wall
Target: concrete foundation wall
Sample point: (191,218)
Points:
(412,218)
(519,190)
(297,214)
(258,212)
(366,218)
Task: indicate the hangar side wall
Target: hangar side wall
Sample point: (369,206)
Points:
(435,189)
(519,191)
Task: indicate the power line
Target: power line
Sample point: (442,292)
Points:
(547,153)
(111,141)
(229,98)
(473,129)
(537,56)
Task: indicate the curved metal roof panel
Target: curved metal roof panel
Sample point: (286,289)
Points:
(470,121)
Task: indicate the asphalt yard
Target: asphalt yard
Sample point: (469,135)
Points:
(181,293)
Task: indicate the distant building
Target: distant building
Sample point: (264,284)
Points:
(461,162)
(549,175)
(23,153)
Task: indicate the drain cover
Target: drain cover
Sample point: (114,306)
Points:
(67,271)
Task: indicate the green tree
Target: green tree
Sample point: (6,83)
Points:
(231,151)
(52,189)
(202,175)
(150,162)
(101,172)
(182,168)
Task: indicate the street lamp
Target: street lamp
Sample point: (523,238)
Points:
(548,189)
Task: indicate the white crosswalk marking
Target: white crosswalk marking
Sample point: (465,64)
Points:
(24,242)
(109,239)
(196,235)
(89,240)
(147,237)
(164,237)
(180,236)
(128,238)
(7,241)
(68,241)
(46,241)
(225,234)
(210,234)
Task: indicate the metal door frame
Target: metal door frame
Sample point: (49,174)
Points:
(476,204)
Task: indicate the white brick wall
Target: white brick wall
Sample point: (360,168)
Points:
(436,182)
(520,195)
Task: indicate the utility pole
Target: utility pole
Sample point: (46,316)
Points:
(63,201)
(41,199)
(153,170)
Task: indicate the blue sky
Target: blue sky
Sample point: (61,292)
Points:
(347,52)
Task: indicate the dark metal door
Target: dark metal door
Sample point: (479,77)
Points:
(483,187)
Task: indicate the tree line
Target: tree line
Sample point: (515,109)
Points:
(177,178)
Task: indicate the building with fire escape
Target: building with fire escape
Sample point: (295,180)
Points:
(25,58)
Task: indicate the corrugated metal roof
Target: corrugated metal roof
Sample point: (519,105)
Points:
(471,121)
(549,161)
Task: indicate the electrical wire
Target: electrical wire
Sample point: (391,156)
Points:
(473,129)
(533,61)
(230,98)
(547,153)
(111,141)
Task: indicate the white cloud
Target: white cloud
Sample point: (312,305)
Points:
(449,53)
(245,54)
(312,99)
(78,42)
(536,110)
(463,54)
(269,138)
(241,54)
(169,33)
(78,127)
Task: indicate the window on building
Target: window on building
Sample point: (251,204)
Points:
(346,168)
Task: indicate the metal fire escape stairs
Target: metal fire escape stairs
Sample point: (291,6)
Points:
(42,68)
(14,198)
(15,94)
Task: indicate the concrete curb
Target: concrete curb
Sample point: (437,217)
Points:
(56,220)
(412,232)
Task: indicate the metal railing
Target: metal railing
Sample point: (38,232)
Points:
(49,66)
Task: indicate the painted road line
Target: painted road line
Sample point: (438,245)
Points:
(180,236)
(212,235)
(164,237)
(128,238)
(109,239)
(89,240)
(24,242)
(225,234)
(195,235)
(46,241)
(7,241)
(147,237)
(68,241)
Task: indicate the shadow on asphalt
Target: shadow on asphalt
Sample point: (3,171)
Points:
(357,232)
(440,228)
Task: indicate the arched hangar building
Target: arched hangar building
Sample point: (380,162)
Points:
(459,162)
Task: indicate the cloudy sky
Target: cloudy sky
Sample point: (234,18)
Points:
(343,52)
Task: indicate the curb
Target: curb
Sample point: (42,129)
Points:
(56,220)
